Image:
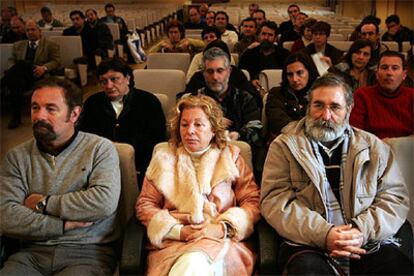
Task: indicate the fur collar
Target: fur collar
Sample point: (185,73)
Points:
(173,174)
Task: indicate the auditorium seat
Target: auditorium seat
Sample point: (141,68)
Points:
(270,78)
(288,45)
(163,81)
(178,61)
(6,53)
(114,28)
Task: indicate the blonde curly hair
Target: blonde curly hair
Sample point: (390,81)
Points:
(213,112)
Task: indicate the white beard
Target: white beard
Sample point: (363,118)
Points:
(325,131)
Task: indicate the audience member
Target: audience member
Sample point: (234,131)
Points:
(260,17)
(356,66)
(123,113)
(248,35)
(266,55)
(356,34)
(81,28)
(112,18)
(397,32)
(320,33)
(239,106)
(101,37)
(199,200)
(294,34)
(335,193)
(293,10)
(176,42)
(16,32)
(210,18)
(306,35)
(370,31)
(47,21)
(237,78)
(59,192)
(228,32)
(387,108)
(203,11)
(208,35)
(195,21)
(6,14)
(288,102)
(252,8)
(33,59)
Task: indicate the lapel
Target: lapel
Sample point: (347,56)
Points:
(39,50)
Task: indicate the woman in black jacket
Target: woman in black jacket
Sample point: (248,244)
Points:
(288,102)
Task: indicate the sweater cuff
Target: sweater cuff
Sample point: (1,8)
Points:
(52,206)
(175,233)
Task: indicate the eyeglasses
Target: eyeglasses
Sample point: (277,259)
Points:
(115,80)
(335,108)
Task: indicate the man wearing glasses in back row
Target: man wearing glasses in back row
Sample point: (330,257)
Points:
(123,113)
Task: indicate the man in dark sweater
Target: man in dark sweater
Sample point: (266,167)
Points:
(79,27)
(124,114)
(17,31)
(263,55)
(397,32)
(59,192)
(293,10)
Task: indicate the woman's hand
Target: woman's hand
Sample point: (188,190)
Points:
(192,231)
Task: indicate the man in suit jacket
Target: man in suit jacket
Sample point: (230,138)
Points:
(33,59)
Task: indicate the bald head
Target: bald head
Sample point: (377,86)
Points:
(33,32)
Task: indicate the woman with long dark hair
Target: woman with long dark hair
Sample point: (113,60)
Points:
(288,102)
(357,66)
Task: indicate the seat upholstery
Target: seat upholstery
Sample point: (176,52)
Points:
(6,55)
(403,148)
(270,78)
(70,48)
(178,61)
(162,81)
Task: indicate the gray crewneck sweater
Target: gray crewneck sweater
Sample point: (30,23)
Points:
(83,182)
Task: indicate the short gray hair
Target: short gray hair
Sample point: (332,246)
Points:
(215,53)
(333,80)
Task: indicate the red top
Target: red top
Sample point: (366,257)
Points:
(382,114)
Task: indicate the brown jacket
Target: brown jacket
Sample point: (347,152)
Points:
(222,190)
(47,53)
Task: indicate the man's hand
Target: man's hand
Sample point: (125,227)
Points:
(69,225)
(39,71)
(345,241)
(253,45)
(191,232)
(32,200)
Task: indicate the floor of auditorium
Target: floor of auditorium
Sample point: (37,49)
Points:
(11,138)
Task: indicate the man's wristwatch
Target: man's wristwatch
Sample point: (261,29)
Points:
(41,205)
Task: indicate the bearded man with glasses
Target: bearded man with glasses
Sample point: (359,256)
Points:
(335,193)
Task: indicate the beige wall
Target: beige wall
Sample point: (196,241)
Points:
(358,9)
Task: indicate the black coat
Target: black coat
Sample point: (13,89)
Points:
(140,124)
(237,79)
(254,61)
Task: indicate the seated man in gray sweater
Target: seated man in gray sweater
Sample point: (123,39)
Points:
(59,191)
